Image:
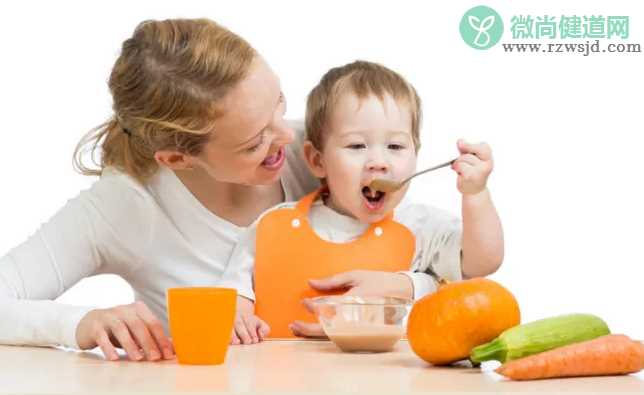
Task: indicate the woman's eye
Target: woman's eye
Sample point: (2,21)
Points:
(257,146)
(254,148)
(356,146)
(396,147)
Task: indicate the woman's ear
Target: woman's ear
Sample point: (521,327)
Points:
(314,160)
(174,160)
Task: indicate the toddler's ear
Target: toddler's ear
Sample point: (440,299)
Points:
(314,160)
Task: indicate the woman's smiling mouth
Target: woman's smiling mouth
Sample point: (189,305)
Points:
(275,161)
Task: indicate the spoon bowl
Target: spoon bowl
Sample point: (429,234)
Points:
(387,185)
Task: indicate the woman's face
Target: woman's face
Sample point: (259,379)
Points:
(248,142)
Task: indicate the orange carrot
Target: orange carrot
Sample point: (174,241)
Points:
(603,356)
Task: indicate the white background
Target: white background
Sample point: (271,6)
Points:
(566,130)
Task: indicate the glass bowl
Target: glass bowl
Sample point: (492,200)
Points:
(362,323)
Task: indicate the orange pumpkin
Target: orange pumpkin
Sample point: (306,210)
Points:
(443,327)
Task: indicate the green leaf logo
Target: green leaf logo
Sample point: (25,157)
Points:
(481,27)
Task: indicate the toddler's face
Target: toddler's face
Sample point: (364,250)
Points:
(367,139)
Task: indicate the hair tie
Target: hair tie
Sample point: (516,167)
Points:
(123,128)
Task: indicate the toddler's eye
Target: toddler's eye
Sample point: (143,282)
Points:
(396,147)
(356,146)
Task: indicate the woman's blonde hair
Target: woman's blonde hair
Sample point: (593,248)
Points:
(362,79)
(165,85)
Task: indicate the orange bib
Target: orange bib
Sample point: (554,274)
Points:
(289,252)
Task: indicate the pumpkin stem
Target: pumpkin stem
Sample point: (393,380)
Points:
(494,350)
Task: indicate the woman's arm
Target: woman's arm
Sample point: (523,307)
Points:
(98,226)
(59,254)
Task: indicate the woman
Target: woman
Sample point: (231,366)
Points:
(196,149)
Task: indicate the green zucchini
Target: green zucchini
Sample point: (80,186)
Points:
(539,336)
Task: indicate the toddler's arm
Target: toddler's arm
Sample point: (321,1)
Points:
(248,328)
(482,232)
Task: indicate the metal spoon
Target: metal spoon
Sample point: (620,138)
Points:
(384,185)
(440,280)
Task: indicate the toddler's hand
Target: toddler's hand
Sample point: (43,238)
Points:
(473,166)
(248,328)
(366,282)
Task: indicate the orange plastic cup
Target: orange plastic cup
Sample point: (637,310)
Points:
(201,321)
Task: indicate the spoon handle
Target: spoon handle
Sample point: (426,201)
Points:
(427,170)
(439,280)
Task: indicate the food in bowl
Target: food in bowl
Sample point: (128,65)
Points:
(362,323)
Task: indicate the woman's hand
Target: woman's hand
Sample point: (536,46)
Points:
(355,282)
(132,327)
(248,328)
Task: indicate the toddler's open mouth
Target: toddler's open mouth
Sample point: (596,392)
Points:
(374,200)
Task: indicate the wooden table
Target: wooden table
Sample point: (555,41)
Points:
(272,366)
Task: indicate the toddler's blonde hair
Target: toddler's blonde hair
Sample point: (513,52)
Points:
(362,79)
